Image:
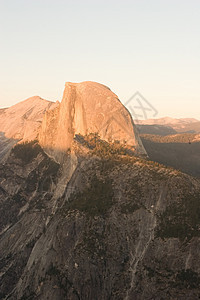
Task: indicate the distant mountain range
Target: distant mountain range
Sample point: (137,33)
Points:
(168,120)
(167,125)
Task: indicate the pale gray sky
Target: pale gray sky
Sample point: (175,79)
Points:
(150,46)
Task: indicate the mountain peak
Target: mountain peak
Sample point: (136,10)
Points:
(87,84)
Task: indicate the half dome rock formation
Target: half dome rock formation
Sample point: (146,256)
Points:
(88,107)
(20,122)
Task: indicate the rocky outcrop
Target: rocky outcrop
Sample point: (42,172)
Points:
(88,107)
(196,138)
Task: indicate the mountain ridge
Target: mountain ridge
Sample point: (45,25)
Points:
(165,126)
(167,120)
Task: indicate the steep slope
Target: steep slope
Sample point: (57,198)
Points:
(88,107)
(20,122)
(123,228)
(181,151)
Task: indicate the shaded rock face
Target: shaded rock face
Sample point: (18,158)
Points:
(20,122)
(88,107)
(112,228)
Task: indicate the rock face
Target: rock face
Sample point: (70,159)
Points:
(20,122)
(88,107)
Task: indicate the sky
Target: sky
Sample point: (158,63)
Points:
(149,46)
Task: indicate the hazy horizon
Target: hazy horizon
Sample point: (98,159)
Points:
(130,46)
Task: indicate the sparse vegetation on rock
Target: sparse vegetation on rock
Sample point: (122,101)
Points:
(27,151)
